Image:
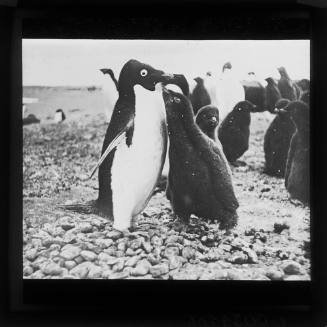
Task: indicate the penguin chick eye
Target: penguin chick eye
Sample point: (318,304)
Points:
(143,72)
(177,100)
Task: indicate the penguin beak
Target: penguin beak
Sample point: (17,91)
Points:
(114,143)
(104,70)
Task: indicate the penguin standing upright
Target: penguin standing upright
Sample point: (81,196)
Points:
(234,131)
(199,177)
(110,91)
(59,116)
(255,93)
(272,94)
(134,147)
(200,96)
(288,89)
(207,119)
(297,174)
(277,139)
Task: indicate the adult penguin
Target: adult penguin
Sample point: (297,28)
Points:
(272,94)
(207,119)
(200,96)
(234,131)
(109,90)
(134,147)
(59,116)
(199,178)
(277,139)
(288,89)
(255,93)
(297,174)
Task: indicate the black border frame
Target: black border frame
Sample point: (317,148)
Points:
(63,18)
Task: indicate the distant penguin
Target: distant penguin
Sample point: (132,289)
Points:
(255,93)
(24,110)
(30,119)
(305,97)
(288,89)
(200,96)
(134,146)
(272,94)
(277,139)
(110,91)
(304,84)
(297,174)
(207,119)
(199,178)
(234,131)
(59,116)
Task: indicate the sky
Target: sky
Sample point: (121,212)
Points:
(62,62)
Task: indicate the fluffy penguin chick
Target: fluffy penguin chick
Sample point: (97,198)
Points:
(297,174)
(207,119)
(200,180)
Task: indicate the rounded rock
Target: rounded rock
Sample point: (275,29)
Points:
(159,270)
(88,255)
(51,269)
(69,252)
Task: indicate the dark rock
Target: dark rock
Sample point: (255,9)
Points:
(291,268)
(239,258)
(279,227)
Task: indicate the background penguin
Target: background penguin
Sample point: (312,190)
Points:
(234,131)
(297,174)
(255,93)
(134,147)
(288,89)
(277,139)
(305,97)
(200,96)
(109,90)
(272,94)
(303,84)
(59,116)
(200,180)
(207,119)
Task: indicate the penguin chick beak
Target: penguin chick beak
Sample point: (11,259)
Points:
(114,143)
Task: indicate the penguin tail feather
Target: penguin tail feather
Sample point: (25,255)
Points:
(85,208)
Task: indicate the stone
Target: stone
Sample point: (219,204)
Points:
(119,275)
(114,235)
(79,259)
(104,243)
(174,239)
(51,269)
(153,259)
(82,269)
(70,264)
(274,274)
(37,275)
(279,227)
(106,273)
(54,253)
(188,253)
(159,270)
(37,263)
(136,243)
(69,252)
(94,272)
(28,270)
(66,223)
(88,255)
(119,265)
(238,258)
(171,251)
(109,260)
(142,268)
(69,237)
(156,240)
(85,227)
(130,252)
(31,254)
(291,268)
(236,275)
(147,247)
(119,254)
(252,256)
(250,231)
(131,262)
(47,241)
(176,262)
(121,246)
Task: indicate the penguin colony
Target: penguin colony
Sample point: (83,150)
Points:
(208,128)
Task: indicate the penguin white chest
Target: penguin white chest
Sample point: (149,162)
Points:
(136,168)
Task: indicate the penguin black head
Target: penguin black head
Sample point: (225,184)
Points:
(199,80)
(300,115)
(59,110)
(244,106)
(270,81)
(207,118)
(280,105)
(137,73)
(176,103)
(227,65)
(181,81)
(304,84)
(282,71)
(305,97)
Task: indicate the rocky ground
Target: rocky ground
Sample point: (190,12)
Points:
(271,241)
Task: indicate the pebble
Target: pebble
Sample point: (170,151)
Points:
(95,272)
(66,223)
(131,262)
(239,258)
(159,270)
(107,273)
(69,237)
(81,270)
(156,240)
(31,254)
(119,275)
(51,268)
(70,264)
(38,263)
(119,254)
(88,255)
(171,251)
(153,259)
(176,262)
(136,244)
(28,270)
(274,274)
(114,235)
(142,268)
(174,239)
(188,253)
(104,243)
(147,247)
(252,256)
(70,252)
(85,227)
(121,246)
(79,259)
(279,227)
(119,265)
(109,260)
(130,252)
(37,275)
(236,275)
(291,268)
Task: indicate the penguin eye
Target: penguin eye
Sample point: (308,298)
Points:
(143,72)
(177,100)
